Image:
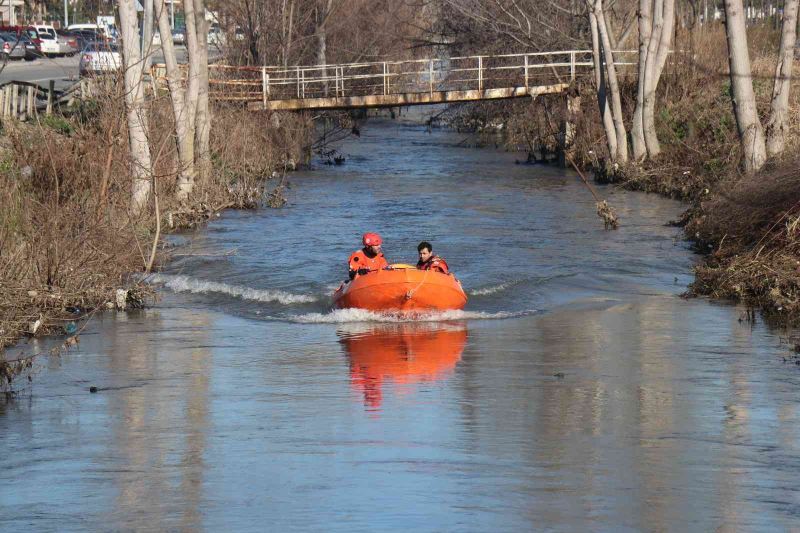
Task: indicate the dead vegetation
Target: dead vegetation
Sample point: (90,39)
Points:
(68,238)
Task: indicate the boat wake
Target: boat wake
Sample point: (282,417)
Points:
(339,316)
(491,289)
(178,283)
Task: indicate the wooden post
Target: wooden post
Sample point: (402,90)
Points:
(303,83)
(51,91)
(31,102)
(7,101)
(14,100)
(572,65)
(526,72)
(264,86)
(430,74)
(480,73)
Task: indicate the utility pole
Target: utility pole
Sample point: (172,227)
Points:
(66,13)
(172,13)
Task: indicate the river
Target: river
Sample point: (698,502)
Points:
(576,391)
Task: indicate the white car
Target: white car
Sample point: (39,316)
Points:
(49,41)
(100,58)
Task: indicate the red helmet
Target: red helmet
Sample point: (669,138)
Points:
(371,239)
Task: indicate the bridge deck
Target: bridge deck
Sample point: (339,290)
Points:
(402,100)
(398,83)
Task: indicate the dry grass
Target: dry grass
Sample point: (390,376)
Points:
(67,238)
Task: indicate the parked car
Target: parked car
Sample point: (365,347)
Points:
(81,37)
(99,58)
(68,43)
(49,44)
(11,48)
(216,36)
(22,39)
(179,35)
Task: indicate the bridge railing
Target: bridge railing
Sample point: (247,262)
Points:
(470,73)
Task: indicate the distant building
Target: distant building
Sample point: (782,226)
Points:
(11,11)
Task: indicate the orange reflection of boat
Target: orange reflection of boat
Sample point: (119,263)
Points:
(400,353)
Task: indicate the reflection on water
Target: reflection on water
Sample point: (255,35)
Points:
(576,392)
(400,354)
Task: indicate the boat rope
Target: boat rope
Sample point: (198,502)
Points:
(410,294)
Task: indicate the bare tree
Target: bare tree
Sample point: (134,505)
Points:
(656,30)
(645,16)
(779,109)
(141,165)
(178,97)
(751,133)
(203,114)
(657,52)
(606,60)
(187,179)
(600,84)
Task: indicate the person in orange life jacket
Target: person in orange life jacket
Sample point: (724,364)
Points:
(369,258)
(429,261)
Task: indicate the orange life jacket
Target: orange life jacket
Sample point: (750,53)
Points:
(359,260)
(434,263)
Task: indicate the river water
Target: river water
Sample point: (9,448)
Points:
(577,391)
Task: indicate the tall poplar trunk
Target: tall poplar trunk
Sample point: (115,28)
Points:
(779,109)
(659,52)
(613,84)
(203,117)
(147,35)
(751,133)
(637,128)
(323,13)
(600,83)
(177,97)
(186,180)
(141,165)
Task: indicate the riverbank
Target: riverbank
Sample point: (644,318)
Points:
(744,227)
(68,239)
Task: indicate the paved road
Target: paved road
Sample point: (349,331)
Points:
(62,69)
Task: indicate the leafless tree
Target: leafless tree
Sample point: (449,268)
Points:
(656,30)
(141,165)
(779,110)
(751,133)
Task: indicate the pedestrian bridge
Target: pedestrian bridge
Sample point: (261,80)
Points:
(400,83)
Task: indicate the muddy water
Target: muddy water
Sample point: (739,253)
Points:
(577,391)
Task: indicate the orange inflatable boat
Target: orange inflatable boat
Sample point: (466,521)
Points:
(401,288)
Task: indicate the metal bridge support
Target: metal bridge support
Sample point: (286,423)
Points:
(572,109)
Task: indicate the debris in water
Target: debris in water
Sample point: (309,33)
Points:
(607,213)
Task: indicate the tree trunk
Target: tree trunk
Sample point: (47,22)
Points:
(658,54)
(779,109)
(751,133)
(141,166)
(177,96)
(203,118)
(323,12)
(186,181)
(637,128)
(147,35)
(613,85)
(600,83)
